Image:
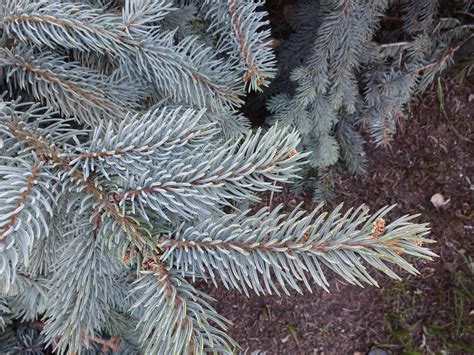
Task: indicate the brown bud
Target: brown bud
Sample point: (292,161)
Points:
(126,256)
(292,153)
(379,228)
(418,243)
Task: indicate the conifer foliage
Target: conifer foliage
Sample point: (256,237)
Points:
(352,64)
(124,169)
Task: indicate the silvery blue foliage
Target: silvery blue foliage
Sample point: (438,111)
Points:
(124,167)
(342,70)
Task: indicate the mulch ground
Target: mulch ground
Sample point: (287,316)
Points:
(421,314)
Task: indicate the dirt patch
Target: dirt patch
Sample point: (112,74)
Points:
(422,314)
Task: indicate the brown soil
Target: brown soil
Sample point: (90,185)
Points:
(422,314)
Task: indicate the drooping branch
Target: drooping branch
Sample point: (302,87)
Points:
(242,32)
(244,46)
(20,202)
(176,317)
(25,207)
